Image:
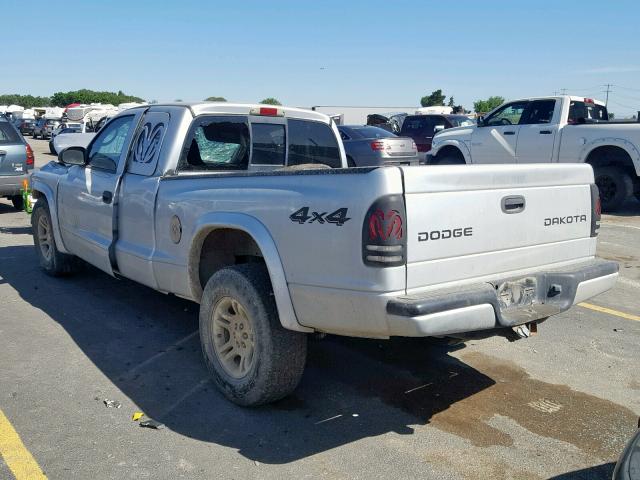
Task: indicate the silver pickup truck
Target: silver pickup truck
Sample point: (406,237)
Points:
(249,211)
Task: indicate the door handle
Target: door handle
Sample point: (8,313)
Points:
(545,132)
(513,204)
(509,133)
(107,197)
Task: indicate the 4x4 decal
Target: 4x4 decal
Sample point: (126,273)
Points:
(301,216)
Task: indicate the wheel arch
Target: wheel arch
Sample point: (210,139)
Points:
(612,152)
(247,233)
(40,191)
(451,145)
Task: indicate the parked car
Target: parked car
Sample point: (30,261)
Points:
(372,146)
(628,465)
(275,239)
(58,144)
(16,159)
(422,128)
(391,122)
(552,129)
(26,126)
(43,127)
(63,125)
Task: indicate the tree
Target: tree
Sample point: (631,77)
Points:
(26,101)
(612,116)
(435,99)
(270,101)
(451,103)
(62,99)
(215,99)
(485,106)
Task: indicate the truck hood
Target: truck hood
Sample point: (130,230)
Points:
(459,133)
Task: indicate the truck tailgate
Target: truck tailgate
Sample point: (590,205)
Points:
(469,222)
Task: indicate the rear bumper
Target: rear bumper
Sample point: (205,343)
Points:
(501,304)
(11,184)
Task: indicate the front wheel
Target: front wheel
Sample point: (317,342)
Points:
(448,161)
(615,186)
(252,358)
(52,260)
(51,148)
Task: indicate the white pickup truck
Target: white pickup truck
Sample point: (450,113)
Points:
(551,129)
(249,211)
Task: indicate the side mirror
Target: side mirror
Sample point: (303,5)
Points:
(73,156)
(438,128)
(480,121)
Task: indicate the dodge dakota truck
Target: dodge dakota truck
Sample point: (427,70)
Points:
(551,129)
(249,211)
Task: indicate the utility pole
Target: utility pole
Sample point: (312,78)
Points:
(606,102)
(563,91)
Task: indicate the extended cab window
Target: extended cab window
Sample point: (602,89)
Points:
(217,143)
(268,144)
(540,111)
(508,115)
(580,112)
(107,147)
(312,142)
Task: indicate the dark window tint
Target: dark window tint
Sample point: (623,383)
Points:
(8,134)
(370,132)
(421,126)
(312,142)
(579,112)
(540,111)
(218,143)
(107,147)
(268,144)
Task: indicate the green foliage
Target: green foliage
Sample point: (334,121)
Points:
(270,101)
(436,99)
(62,99)
(451,103)
(485,106)
(612,116)
(26,101)
(215,99)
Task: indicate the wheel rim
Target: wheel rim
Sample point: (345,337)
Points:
(233,337)
(607,188)
(44,237)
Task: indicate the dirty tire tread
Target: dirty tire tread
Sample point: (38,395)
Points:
(61,264)
(280,354)
(624,186)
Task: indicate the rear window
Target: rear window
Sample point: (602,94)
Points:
(580,112)
(218,143)
(312,142)
(8,134)
(268,144)
(461,121)
(369,132)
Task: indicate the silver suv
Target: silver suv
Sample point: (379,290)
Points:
(16,159)
(43,128)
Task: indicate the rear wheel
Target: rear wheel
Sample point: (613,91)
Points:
(18,202)
(52,261)
(448,160)
(252,358)
(615,186)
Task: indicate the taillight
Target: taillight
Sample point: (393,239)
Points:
(384,241)
(378,145)
(30,157)
(596,210)
(423,147)
(267,111)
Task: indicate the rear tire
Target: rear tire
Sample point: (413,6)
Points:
(615,186)
(252,358)
(52,261)
(18,202)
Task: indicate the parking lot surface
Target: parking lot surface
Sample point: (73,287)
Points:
(558,405)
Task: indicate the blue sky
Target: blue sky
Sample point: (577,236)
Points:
(378,53)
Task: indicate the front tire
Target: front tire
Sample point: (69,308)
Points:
(449,160)
(52,261)
(18,202)
(252,358)
(51,149)
(615,186)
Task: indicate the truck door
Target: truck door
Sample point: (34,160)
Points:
(538,132)
(88,194)
(496,139)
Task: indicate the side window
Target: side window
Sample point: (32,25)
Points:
(217,143)
(540,111)
(143,157)
(107,147)
(312,142)
(437,121)
(268,144)
(508,115)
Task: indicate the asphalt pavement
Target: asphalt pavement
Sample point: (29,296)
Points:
(558,405)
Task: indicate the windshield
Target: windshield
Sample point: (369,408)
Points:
(462,121)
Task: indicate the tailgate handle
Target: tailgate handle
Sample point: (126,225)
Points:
(513,204)
(510,132)
(545,132)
